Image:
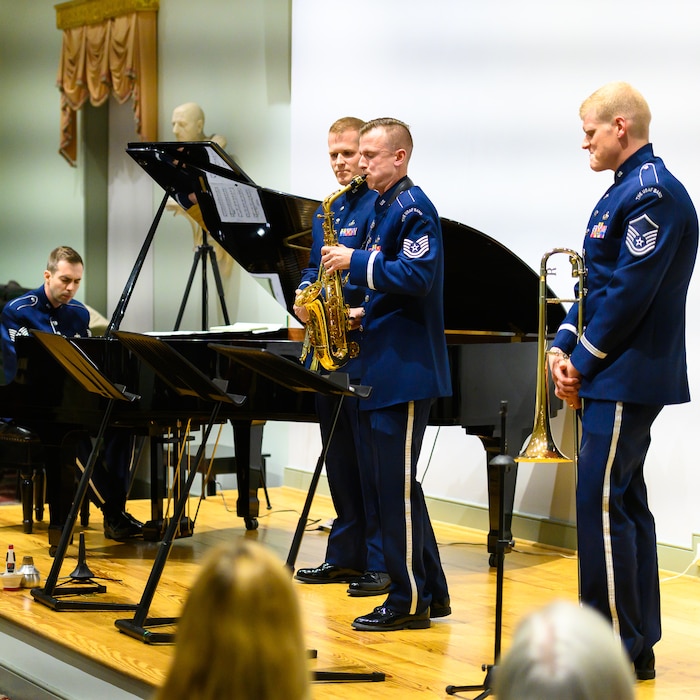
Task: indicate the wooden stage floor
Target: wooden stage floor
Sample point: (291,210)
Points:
(416,662)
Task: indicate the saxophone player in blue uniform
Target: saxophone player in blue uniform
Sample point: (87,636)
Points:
(354,550)
(630,361)
(404,360)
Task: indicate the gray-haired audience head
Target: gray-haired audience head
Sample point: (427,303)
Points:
(564,652)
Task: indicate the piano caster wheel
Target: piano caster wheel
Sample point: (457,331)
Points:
(251,523)
(493,561)
(52,550)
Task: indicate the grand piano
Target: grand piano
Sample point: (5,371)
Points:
(491,321)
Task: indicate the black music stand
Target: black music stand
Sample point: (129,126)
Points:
(187,380)
(82,370)
(297,378)
(502,472)
(210,186)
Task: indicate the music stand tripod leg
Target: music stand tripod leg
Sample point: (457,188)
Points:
(505,467)
(294,550)
(505,470)
(303,518)
(138,626)
(47,594)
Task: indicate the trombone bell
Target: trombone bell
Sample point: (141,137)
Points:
(541,446)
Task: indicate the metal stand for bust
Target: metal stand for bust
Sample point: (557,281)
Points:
(203,253)
(502,472)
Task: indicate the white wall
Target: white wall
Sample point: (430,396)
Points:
(491,91)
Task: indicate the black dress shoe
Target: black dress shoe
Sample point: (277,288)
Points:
(370,583)
(327,573)
(122,527)
(132,520)
(644,666)
(383,619)
(440,608)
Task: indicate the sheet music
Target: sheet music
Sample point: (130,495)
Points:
(236,203)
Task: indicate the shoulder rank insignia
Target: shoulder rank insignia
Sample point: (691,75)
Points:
(416,249)
(641,236)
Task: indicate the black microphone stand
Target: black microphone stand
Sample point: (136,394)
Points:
(502,472)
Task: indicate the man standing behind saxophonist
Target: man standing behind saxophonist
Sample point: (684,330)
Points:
(354,551)
(405,362)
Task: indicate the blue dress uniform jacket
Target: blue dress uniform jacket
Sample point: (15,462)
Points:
(639,253)
(403,343)
(405,362)
(34,311)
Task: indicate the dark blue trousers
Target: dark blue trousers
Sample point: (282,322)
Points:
(355,538)
(616,531)
(395,435)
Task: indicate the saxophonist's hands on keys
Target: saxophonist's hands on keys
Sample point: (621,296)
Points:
(336,257)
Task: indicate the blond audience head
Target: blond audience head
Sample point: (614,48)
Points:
(240,633)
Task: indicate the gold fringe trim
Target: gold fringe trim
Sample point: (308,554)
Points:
(78,13)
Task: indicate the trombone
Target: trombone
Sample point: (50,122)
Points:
(541,446)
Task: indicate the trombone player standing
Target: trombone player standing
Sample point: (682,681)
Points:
(630,361)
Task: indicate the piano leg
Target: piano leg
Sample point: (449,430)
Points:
(247,440)
(153,529)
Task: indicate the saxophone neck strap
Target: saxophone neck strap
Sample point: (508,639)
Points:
(402,186)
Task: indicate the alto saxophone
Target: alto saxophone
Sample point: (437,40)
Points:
(329,315)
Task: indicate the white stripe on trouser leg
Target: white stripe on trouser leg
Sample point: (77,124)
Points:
(98,495)
(407,508)
(607,540)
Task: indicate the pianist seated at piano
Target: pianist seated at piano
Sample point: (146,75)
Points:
(52,308)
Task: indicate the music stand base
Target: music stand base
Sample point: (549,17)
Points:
(56,601)
(486,686)
(143,634)
(337,676)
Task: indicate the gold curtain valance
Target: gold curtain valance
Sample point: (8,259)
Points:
(109,47)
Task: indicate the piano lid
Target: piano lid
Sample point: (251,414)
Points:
(256,226)
(489,293)
(490,290)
